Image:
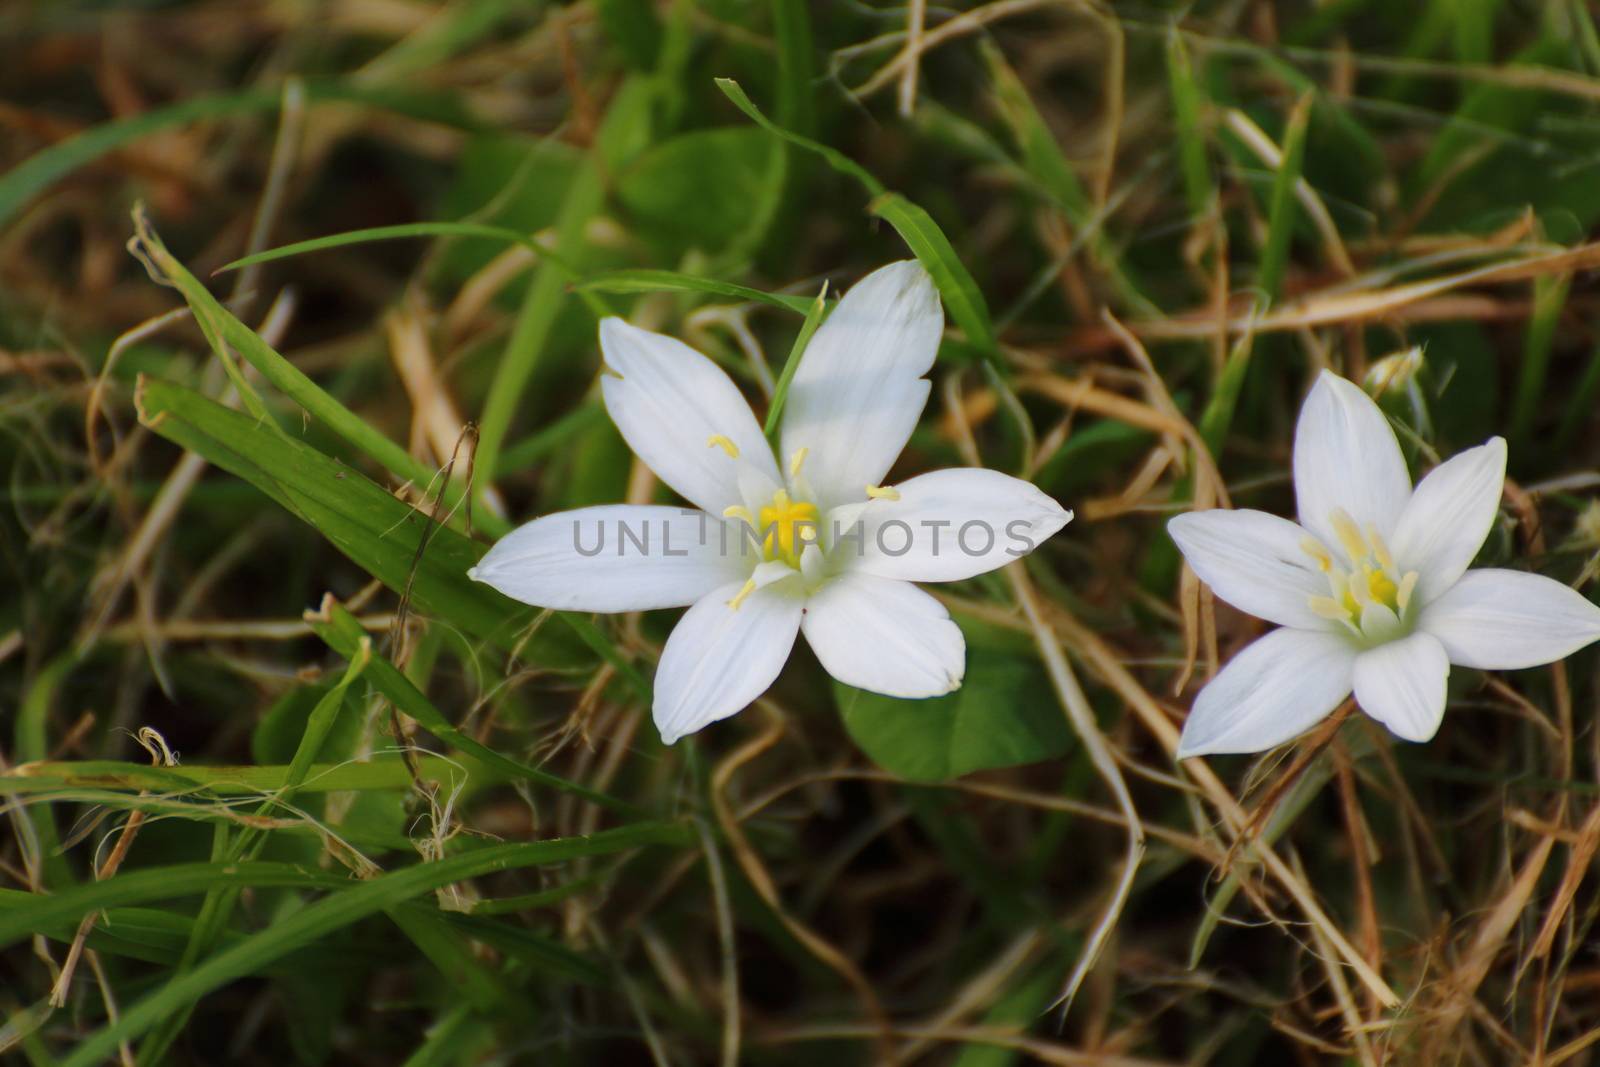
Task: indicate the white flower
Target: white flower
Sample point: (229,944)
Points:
(1371,588)
(817,545)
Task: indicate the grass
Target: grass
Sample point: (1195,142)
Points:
(282,785)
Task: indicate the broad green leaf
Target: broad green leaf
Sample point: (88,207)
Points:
(698,189)
(1003,715)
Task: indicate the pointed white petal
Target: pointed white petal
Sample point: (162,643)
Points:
(1346,456)
(884,635)
(948,525)
(718,659)
(859,389)
(1255,562)
(619,557)
(1273,691)
(1447,518)
(668,402)
(1402,685)
(1500,620)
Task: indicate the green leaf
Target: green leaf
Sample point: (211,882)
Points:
(698,189)
(1003,715)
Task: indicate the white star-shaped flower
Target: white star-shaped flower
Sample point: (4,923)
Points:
(816,545)
(1371,588)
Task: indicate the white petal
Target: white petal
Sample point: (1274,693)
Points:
(1500,620)
(1255,562)
(619,557)
(948,525)
(668,402)
(859,390)
(1275,690)
(1449,515)
(886,636)
(718,659)
(1346,456)
(1402,685)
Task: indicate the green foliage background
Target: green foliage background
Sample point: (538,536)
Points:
(410,821)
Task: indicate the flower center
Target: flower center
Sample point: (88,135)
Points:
(1371,597)
(786,526)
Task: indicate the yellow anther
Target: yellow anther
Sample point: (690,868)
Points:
(1329,608)
(1380,551)
(1349,534)
(738,511)
(1402,596)
(883,492)
(1313,548)
(717,440)
(798,460)
(738,598)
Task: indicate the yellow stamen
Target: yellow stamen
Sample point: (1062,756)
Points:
(883,492)
(1329,608)
(738,598)
(1408,586)
(1349,534)
(797,460)
(1379,549)
(717,440)
(738,511)
(1313,548)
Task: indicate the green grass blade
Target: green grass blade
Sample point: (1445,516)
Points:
(1549,298)
(962,298)
(343,633)
(1188,105)
(381,772)
(835,159)
(349,906)
(670,281)
(279,371)
(390,233)
(780,392)
(378,532)
(627,116)
(1282,208)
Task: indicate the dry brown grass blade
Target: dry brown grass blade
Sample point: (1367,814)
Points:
(1348,305)
(761,881)
(1103,662)
(1584,846)
(1459,989)
(1081,716)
